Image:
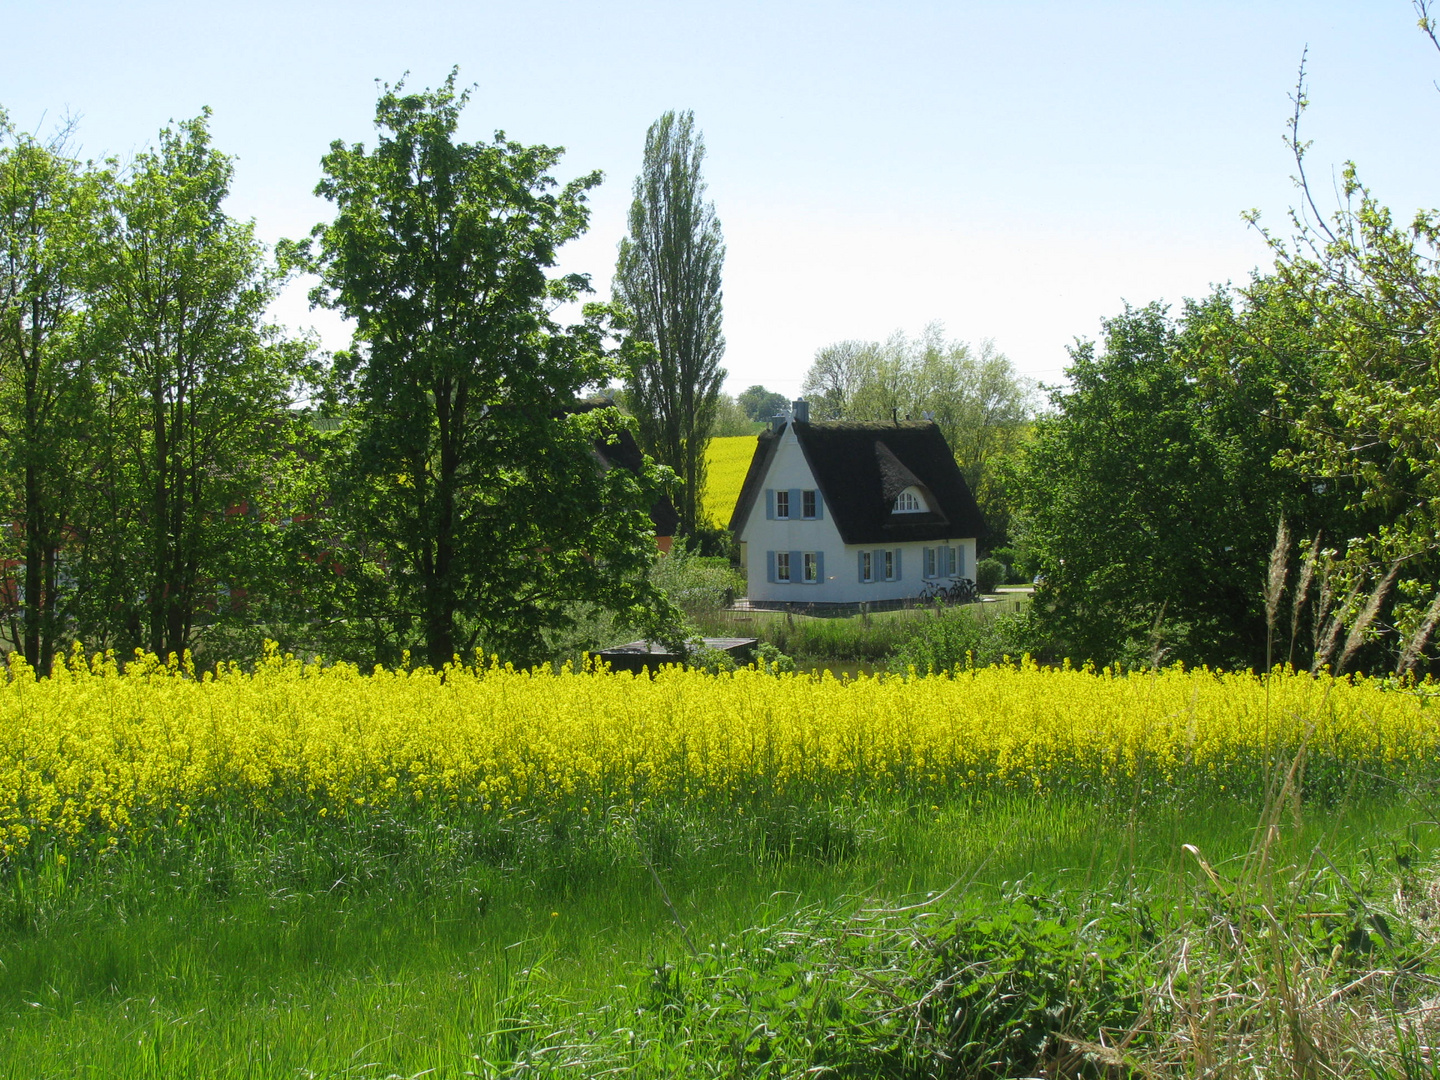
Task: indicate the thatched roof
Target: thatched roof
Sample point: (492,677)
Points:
(859,468)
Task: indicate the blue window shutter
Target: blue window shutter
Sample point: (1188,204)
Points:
(770,564)
(897,563)
(860,566)
(770,516)
(960,561)
(819,568)
(797,508)
(819,505)
(797,567)
(927,560)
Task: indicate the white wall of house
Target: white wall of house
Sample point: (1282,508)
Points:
(839,564)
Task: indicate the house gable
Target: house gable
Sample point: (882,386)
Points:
(860,468)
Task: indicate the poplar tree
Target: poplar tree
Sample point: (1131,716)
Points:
(668,276)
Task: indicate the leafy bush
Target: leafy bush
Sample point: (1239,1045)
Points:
(957,637)
(1021,561)
(773,659)
(695,583)
(989,573)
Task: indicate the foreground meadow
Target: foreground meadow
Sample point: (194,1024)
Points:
(306,870)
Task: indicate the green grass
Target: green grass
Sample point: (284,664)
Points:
(857,639)
(396,945)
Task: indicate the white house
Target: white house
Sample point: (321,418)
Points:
(840,512)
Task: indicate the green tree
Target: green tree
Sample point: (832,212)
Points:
(49,218)
(471,501)
(836,376)
(760,404)
(668,276)
(1369,289)
(981,403)
(730,418)
(1150,496)
(196,394)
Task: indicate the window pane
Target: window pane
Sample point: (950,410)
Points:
(810,574)
(807,504)
(782,504)
(782,566)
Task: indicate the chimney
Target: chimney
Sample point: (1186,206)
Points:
(801,409)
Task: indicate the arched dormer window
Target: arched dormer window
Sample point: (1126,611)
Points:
(910,501)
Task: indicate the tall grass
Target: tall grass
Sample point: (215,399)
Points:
(384,946)
(873,638)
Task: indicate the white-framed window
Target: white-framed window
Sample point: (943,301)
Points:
(811,566)
(942,562)
(910,501)
(782,566)
(867,566)
(807,504)
(782,504)
(889,557)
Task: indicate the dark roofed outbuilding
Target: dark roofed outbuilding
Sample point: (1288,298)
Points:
(622,449)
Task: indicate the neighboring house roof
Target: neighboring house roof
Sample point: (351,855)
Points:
(622,449)
(859,468)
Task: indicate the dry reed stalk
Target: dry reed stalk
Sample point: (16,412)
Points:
(1275,576)
(1321,611)
(1302,593)
(1356,637)
(1418,640)
(1330,638)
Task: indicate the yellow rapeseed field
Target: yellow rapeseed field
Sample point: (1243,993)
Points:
(93,756)
(727,460)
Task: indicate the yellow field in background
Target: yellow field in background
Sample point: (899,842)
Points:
(726,462)
(93,758)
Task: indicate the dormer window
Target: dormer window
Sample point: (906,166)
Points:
(910,501)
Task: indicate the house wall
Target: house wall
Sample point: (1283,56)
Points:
(840,582)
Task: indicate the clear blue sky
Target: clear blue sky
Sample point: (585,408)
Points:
(1015,170)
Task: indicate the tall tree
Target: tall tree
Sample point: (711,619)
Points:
(475,507)
(197,389)
(1150,496)
(668,275)
(1369,287)
(975,395)
(760,404)
(49,217)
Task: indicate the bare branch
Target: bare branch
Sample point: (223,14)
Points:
(1299,148)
